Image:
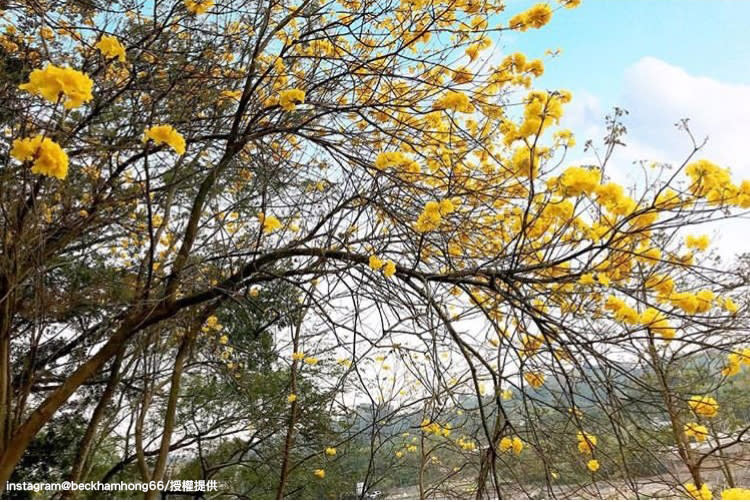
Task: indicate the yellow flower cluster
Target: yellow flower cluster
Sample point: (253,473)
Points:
(433,213)
(586,442)
(704,493)
(435,428)
(291,398)
(593,465)
(462,75)
(542,109)
(613,198)
(696,430)
(54,82)
(167,135)
(511,443)
(319,473)
(454,100)
(474,49)
(735,494)
(388,267)
(621,310)
(692,303)
(577,181)
(270,223)
(735,361)
(662,284)
(290,98)
(534,378)
(715,185)
(330,451)
(409,449)
(535,17)
(704,406)
(701,243)
(396,160)
(531,344)
(730,305)
(212,324)
(466,444)
(657,323)
(49,159)
(198,6)
(111,48)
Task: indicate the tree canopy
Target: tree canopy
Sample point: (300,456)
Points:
(292,245)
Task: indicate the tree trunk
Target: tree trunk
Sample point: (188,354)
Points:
(174,391)
(289,440)
(84,448)
(26,432)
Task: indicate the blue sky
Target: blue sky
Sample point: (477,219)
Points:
(601,38)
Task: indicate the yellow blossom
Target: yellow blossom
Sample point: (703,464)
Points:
(111,47)
(535,17)
(657,323)
(586,442)
(730,305)
(701,243)
(433,213)
(593,465)
(270,223)
(291,398)
(735,361)
(320,473)
(579,181)
(696,430)
(704,493)
(511,443)
(165,134)
(454,100)
(49,159)
(517,445)
(533,378)
(735,494)
(290,98)
(54,82)
(198,6)
(586,279)
(389,270)
(704,406)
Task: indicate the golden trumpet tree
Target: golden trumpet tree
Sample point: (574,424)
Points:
(162,157)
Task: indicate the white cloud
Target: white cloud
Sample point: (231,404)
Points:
(658,94)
